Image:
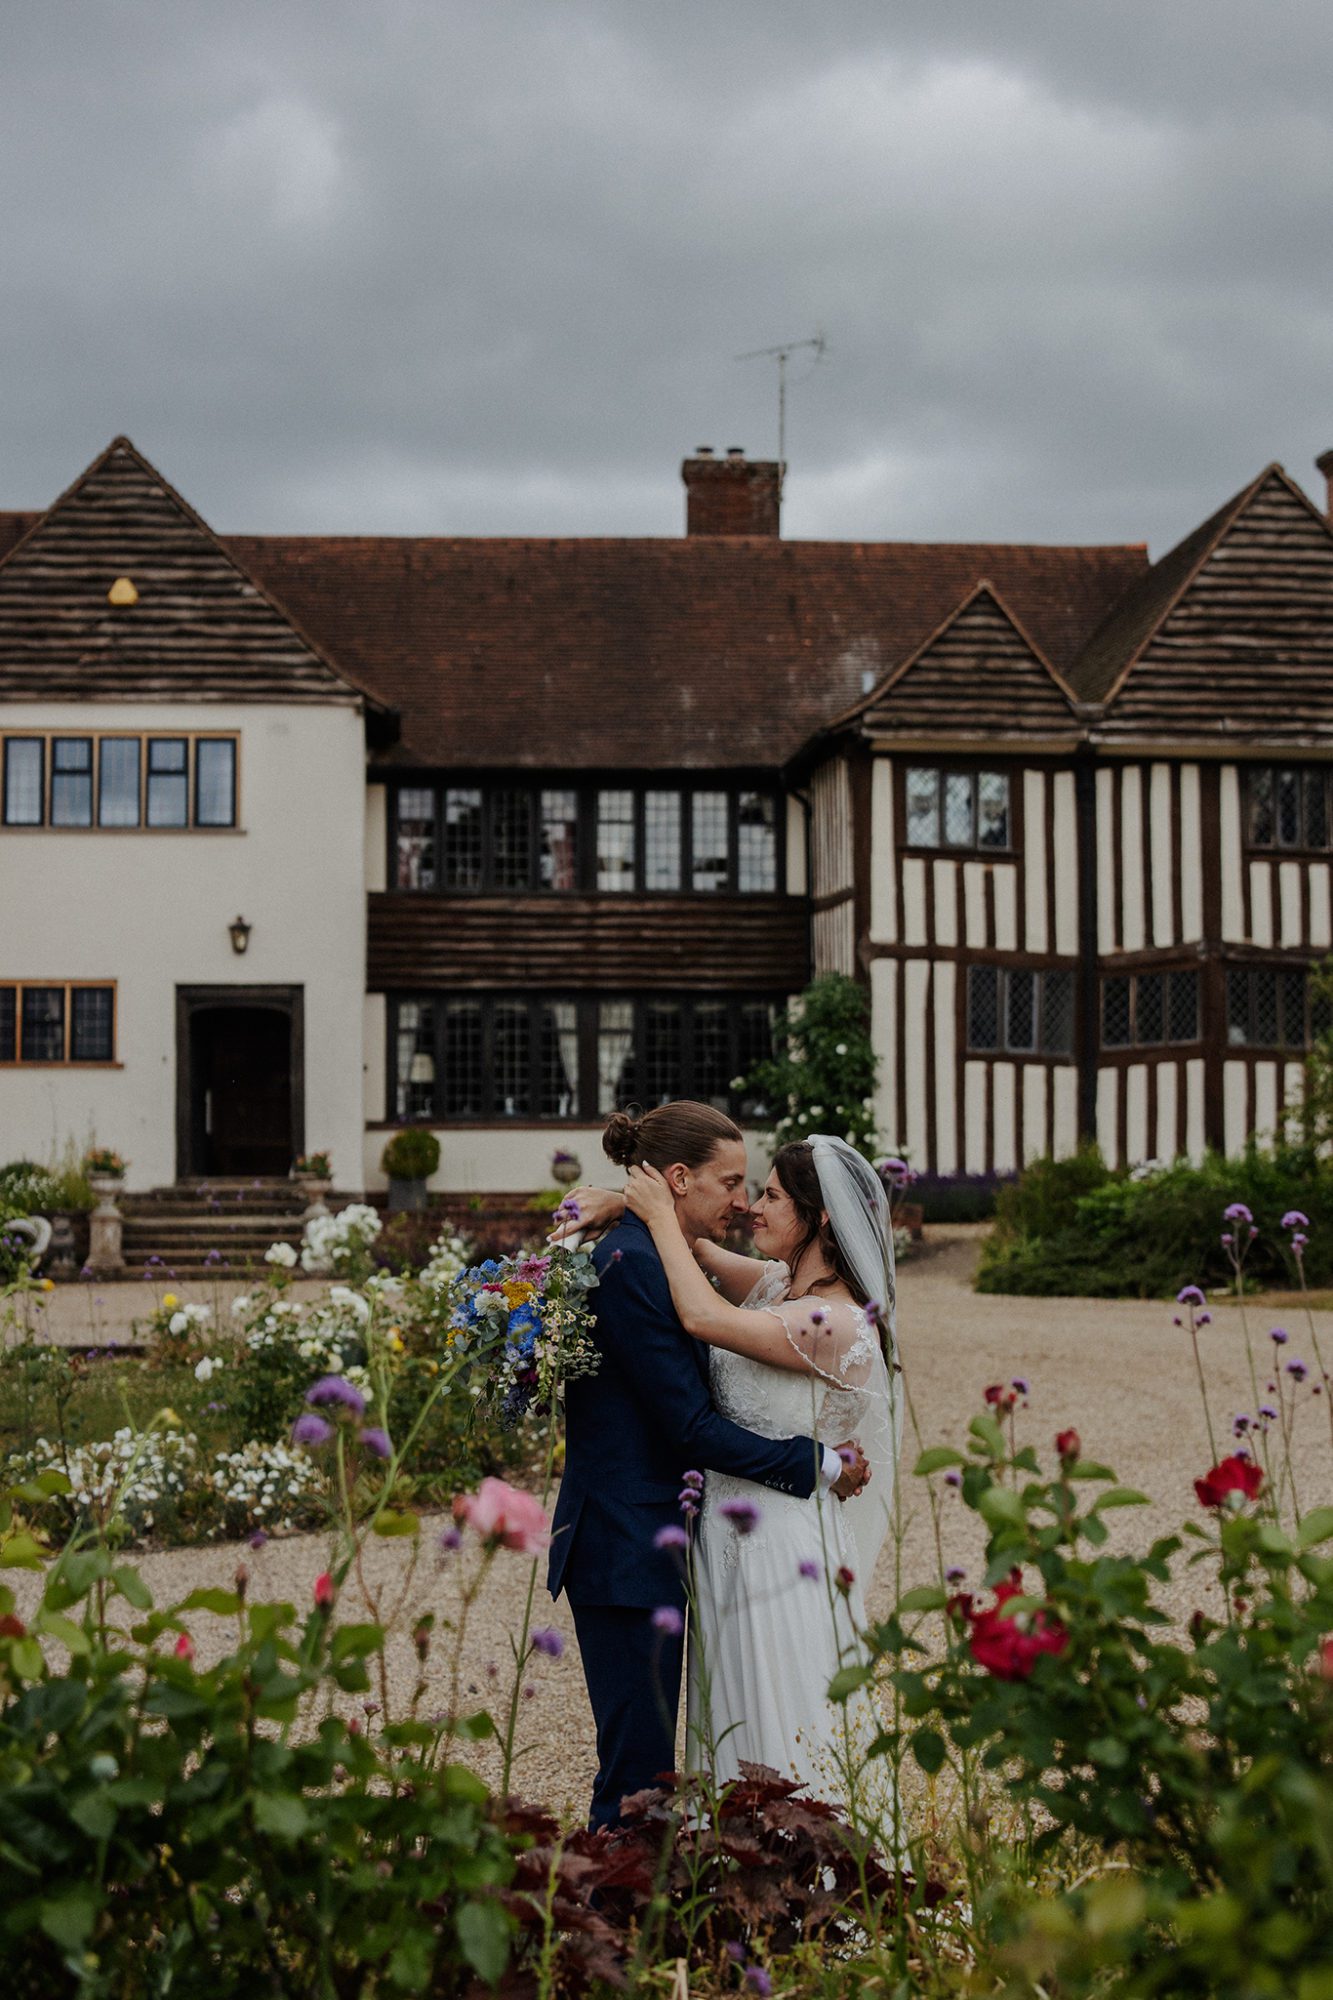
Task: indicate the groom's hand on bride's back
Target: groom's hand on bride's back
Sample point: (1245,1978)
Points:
(855,1471)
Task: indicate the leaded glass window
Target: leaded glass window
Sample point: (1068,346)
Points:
(662,827)
(25,765)
(615,1054)
(757,843)
(414,1068)
(511,839)
(660,1063)
(1057,1013)
(43,1018)
(923,808)
(462,837)
(415,854)
(558,859)
(168,781)
(712,1053)
(615,841)
(92,1024)
(461,1060)
(711,843)
(558,1059)
(1117,1026)
(215,781)
(960,809)
(1289,806)
(71,781)
(511,1059)
(983,1007)
(118,762)
(8,1023)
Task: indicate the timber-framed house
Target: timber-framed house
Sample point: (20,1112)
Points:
(307,837)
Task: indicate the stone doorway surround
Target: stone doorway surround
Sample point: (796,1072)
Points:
(195,1002)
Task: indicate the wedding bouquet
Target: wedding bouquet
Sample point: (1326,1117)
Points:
(531,1322)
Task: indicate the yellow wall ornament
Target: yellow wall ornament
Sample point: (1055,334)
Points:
(122,591)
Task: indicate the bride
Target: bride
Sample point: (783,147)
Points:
(803,1345)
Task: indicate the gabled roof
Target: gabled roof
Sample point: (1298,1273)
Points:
(978,676)
(202,629)
(1230,635)
(704,652)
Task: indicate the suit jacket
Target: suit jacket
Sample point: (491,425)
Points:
(635,1427)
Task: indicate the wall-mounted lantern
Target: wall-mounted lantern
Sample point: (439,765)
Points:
(240,935)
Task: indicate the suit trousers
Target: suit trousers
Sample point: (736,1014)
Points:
(633,1675)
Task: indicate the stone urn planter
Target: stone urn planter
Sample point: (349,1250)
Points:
(106,1226)
(565,1167)
(409,1160)
(314,1177)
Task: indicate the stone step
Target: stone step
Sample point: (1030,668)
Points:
(210,1225)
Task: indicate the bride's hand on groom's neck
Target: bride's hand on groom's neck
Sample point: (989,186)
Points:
(648,1195)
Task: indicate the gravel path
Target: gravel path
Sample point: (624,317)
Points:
(1119,1371)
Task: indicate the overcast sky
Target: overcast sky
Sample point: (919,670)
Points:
(420,266)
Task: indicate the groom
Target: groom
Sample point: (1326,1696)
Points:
(632,1431)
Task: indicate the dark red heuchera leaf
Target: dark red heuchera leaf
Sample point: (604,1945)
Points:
(1232,1475)
(1009,1647)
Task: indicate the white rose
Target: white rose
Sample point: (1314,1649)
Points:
(178,1323)
(203,1370)
(281,1254)
(240,1305)
(841,1049)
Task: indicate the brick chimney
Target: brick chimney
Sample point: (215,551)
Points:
(1324,464)
(734,495)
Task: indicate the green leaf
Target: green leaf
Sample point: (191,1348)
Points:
(21,1551)
(224,1602)
(1094,1529)
(1087,1468)
(936,1458)
(71,1636)
(69,1917)
(1109,1752)
(411,1960)
(353,1642)
(1121,1496)
(132,1587)
(391,1523)
(926,1597)
(1000,1506)
(928,1749)
(988,1432)
(483,1934)
(1316,1527)
(847,1680)
(25,1659)
(96,1814)
(282,1814)
(474,1727)
(1272,1540)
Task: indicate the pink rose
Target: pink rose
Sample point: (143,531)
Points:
(500,1512)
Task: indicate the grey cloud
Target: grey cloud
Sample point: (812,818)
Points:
(485,269)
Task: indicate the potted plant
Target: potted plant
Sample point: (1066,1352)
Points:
(409,1159)
(106,1177)
(101,1164)
(313,1174)
(565,1167)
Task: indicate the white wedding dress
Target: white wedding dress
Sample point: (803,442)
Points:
(771,1625)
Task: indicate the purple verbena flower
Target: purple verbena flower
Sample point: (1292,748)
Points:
(1239,1426)
(953,1478)
(1227,1239)
(758,1981)
(1236,1211)
(1278,1336)
(1297,1370)
(694,1479)
(1267,1411)
(668,1621)
(1190,1296)
(1203,1319)
(1298,1243)
(1293,1219)
(808,1569)
(450,1540)
(310,1429)
(338,1391)
(742,1514)
(671,1538)
(1020,1383)
(258,1539)
(955,1575)
(376,1441)
(548,1641)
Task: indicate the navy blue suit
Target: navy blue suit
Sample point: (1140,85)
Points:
(631,1432)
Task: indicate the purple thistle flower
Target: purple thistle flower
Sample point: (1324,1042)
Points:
(671,1538)
(1019,1382)
(337,1390)
(376,1441)
(1236,1211)
(1190,1296)
(548,1641)
(1297,1370)
(1293,1219)
(668,1621)
(450,1540)
(808,1569)
(310,1429)
(742,1514)
(1278,1336)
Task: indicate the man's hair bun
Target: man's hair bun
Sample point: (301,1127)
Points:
(620,1141)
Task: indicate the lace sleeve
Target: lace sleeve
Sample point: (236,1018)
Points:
(833,1340)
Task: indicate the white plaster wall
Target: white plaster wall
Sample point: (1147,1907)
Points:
(516,1159)
(1034,858)
(377,838)
(884,1036)
(150,910)
(1066,865)
(883,855)
(1191,855)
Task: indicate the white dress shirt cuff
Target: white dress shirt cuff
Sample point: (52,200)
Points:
(832,1471)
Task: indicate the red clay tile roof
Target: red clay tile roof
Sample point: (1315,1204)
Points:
(200,630)
(979,676)
(640,654)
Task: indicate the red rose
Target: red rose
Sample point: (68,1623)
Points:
(995,1394)
(1069,1446)
(1233,1475)
(1010,1647)
(323,1590)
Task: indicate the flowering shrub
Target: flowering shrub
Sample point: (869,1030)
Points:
(821,1076)
(341,1243)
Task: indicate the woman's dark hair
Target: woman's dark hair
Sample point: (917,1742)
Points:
(795,1167)
(683,1133)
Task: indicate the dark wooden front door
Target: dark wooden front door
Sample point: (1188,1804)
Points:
(240,1072)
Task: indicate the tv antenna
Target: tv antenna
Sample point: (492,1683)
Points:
(782,354)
